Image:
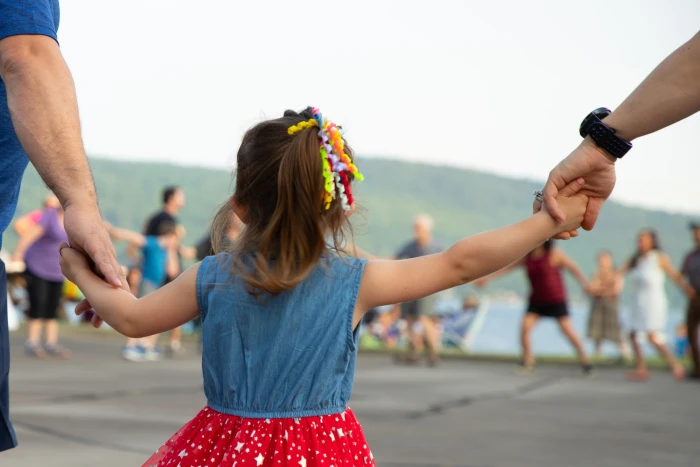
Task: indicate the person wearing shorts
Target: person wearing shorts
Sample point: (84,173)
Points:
(159,260)
(38,247)
(420,311)
(173,201)
(548,298)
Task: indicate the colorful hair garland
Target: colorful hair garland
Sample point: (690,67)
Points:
(336,164)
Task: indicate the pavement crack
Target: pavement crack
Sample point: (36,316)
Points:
(442,407)
(79,439)
(121,393)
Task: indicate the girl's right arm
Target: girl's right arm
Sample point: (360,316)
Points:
(388,282)
(167,308)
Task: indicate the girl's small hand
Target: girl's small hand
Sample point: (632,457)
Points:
(72,262)
(573,205)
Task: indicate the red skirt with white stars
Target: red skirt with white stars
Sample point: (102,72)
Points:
(215,439)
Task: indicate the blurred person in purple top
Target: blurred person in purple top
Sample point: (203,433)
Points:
(38,247)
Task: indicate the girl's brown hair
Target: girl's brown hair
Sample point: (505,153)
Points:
(279,182)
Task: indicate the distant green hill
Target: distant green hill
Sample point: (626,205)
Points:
(463,202)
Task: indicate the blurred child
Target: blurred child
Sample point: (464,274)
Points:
(159,260)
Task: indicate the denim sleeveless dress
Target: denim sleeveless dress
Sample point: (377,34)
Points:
(278,373)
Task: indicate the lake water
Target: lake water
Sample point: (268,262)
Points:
(500,332)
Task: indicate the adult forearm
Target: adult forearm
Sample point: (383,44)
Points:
(44,110)
(669,94)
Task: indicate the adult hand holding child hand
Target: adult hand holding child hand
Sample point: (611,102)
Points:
(573,204)
(73,263)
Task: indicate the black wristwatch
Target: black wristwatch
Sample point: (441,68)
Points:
(604,137)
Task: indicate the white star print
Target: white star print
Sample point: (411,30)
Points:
(239,447)
(182,454)
(340,433)
(259,459)
(286,436)
(302,462)
(332,437)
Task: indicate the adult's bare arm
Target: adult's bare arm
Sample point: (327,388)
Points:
(44,110)
(669,94)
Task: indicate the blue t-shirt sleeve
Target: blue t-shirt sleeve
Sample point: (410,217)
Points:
(29,17)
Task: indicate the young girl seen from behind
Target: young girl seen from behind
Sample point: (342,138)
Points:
(281,307)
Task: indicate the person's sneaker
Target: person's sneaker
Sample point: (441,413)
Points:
(133,354)
(57,350)
(174,349)
(587,369)
(152,355)
(34,350)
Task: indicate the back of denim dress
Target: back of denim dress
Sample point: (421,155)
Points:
(290,355)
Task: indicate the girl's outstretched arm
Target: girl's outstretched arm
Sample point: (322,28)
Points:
(167,308)
(388,282)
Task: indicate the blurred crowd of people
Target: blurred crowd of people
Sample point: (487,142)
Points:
(156,257)
(422,327)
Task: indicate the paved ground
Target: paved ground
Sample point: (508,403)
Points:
(96,410)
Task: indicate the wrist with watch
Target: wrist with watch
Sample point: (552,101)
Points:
(603,136)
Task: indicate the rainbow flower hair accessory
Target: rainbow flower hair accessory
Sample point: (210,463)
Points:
(336,164)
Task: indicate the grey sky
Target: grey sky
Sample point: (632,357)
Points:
(444,81)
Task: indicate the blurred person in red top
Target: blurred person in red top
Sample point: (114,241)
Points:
(548,298)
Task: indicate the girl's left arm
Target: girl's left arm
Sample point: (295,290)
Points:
(675,275)
(167,308)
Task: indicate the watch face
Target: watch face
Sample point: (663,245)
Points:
(601,112)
